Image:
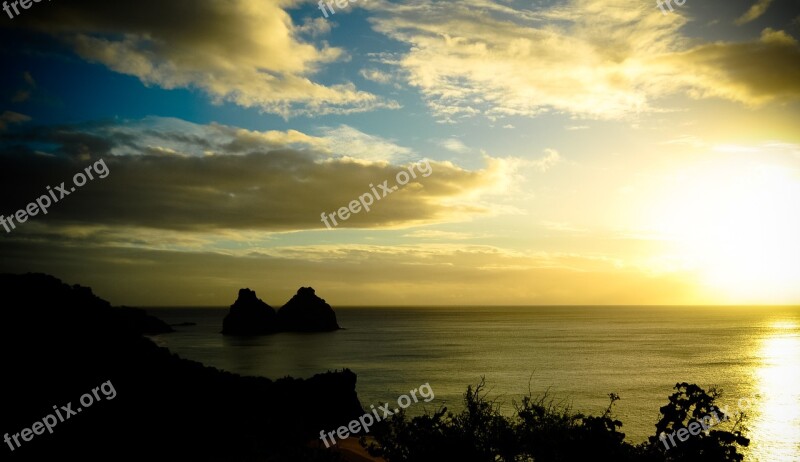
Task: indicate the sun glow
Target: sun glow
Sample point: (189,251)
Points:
(737,224)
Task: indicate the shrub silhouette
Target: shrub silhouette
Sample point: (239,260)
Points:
(543,430)
(692,403)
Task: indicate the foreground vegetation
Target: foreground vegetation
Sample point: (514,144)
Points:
(542,431)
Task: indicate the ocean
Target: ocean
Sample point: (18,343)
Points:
(577,355)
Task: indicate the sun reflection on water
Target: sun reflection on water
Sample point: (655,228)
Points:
(775,425)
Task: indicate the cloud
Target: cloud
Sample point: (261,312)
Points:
(422,274)
(243,51)
(562,227)
(348,141)
(376,75)
(172,136)
(24,94)
(11,117)
(688,141)
(755,12)
(547,162)
(777,149)
(440,235)
(454,144)
(174,175)
(754,73)
(586,58)
(315,27)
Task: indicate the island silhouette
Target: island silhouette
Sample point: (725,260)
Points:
(304,312)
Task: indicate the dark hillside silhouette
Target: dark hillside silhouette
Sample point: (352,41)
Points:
(60,341)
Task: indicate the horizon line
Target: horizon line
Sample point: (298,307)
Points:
(738,305)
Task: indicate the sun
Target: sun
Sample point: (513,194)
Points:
(737,224)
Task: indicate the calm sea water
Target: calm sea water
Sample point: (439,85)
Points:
(577,354)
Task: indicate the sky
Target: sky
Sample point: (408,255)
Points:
(569,152)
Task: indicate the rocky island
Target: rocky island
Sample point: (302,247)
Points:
(249,315)
(305,312)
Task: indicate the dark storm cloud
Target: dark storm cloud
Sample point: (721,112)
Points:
(752,72)
(216,178)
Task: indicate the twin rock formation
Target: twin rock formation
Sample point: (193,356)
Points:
(305,312)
